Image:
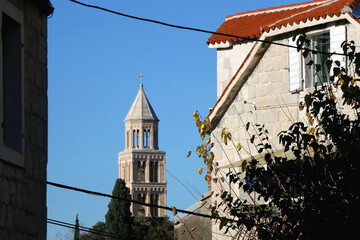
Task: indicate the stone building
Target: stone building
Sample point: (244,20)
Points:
(24,118)
(263,83)
(142,164)
(183,223)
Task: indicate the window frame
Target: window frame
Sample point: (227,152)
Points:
(314,76)
(6,153)
(297,65)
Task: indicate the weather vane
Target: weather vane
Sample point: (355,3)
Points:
(141,76)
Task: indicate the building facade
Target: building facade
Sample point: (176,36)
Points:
(142,164)
(263,83)
(24,118)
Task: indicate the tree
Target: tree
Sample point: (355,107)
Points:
(153,228)
(77,231)
(311,193)
(99,228)
(118,218)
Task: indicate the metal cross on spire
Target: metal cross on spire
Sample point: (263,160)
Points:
(141,76)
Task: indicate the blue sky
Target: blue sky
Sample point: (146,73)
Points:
(94,60)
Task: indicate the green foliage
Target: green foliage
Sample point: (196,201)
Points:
(98,227)
(118,218)
(312,191)
(152,228)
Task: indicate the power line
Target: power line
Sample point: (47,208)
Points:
(201,30)
(173,209)
(81,228)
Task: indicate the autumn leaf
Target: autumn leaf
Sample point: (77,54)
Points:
(211,156)
(182,232)
(174,210)
(223,132)
(301,106)
(238,147)
(189,153)
(195,115)
(208,178)
(192,229)
(200,170)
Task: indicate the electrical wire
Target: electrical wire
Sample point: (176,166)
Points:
(81,228)
(173,209)
(201,30)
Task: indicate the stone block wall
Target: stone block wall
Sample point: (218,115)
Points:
(264,99)
(23,210)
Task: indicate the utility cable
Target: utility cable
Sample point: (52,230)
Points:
(83,229)
(173,209)
(201,30)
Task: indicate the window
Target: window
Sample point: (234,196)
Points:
(11,85)
(328,40)
(141,171)
(311,77)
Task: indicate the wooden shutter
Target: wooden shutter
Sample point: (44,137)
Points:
(337,36)
(294,68)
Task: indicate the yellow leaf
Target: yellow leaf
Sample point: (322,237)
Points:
(301,106)
(211,156)
(200,170)
(174,210)
(202,135)
(229,135)
(223,132)
(195,115)
(189,153)
(207,141)
(207,121)
(238,147)
(192,229)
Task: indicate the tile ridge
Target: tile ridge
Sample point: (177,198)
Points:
(275,9)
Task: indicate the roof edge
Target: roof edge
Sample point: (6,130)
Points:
(233,87)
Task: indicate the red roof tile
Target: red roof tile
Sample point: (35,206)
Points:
(252,24)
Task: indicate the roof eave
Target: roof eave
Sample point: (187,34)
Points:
(246,68)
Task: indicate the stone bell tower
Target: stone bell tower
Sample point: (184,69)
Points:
(142,164)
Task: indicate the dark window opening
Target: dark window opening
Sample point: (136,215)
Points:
(12,74)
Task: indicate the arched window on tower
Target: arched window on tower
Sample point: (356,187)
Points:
(151,171)
(154,199)
(134,139)
(141,210)
(156,169)
(137,138)
(141,171)
(146,138)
